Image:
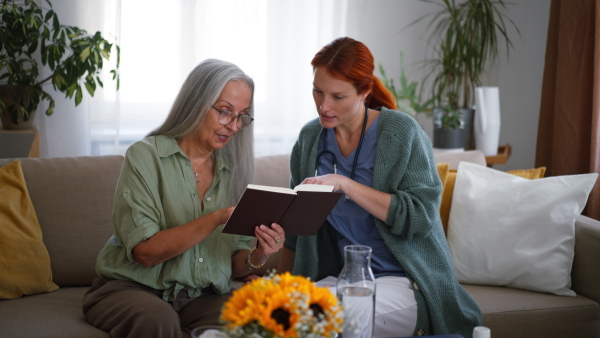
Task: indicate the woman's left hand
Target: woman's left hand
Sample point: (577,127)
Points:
(270,240)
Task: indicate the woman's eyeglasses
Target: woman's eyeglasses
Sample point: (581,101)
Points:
(226,117)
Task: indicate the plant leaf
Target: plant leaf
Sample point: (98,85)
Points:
(78,96)
(85,53)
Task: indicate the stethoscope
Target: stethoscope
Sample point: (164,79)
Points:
(332,155)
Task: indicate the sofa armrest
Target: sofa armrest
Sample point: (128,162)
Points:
(455,157)
(585,275)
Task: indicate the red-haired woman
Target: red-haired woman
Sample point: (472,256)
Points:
(384,165)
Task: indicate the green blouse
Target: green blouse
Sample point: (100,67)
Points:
(157,191)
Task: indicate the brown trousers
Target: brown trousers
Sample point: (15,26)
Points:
(129,309)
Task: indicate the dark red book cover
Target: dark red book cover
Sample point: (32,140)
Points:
(302,213)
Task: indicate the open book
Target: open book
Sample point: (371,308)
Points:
(300,211)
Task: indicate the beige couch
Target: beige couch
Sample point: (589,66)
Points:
(73,200)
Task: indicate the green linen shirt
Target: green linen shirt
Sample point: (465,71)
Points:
(157,191)
(405,168)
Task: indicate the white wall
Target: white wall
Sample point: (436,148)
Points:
(381,25)
(66,132)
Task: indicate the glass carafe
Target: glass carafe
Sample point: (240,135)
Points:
(356,292)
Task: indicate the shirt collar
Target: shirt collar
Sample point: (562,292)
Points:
(167,146)
(220,162)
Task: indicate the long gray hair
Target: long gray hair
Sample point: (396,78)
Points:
(200,90)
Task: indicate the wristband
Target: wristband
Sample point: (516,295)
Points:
(249,264)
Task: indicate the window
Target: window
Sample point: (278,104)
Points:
(161,42)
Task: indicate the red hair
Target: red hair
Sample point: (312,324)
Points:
(351,61)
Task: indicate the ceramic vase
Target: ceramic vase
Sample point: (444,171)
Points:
(487,120)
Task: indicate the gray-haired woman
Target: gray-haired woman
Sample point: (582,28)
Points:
(168,267)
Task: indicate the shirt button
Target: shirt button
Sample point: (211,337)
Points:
(200,259)
(208,199)
(415,286)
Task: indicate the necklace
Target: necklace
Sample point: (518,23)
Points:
(197,174)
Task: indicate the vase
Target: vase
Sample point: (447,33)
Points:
(356,292)
(487,120)
(457,137)
(7,92)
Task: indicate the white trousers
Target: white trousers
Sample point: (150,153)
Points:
(395,305)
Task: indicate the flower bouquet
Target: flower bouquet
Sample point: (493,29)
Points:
(278,306)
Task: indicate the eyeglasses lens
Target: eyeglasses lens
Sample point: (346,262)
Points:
(226,117)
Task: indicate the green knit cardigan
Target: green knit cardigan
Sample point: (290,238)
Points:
(405,168)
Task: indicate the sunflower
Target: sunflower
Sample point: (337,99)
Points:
(325,304)
(282,306)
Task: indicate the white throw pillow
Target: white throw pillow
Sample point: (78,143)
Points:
(512,231)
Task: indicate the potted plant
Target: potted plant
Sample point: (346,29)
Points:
(408,98)
(464,37)
(32,38)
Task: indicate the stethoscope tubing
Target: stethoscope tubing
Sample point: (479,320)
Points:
(332,155)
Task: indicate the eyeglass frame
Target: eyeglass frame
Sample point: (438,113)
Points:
(236,117)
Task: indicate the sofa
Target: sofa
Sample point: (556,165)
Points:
(73,197)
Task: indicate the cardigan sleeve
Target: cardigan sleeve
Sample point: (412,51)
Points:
(405,167)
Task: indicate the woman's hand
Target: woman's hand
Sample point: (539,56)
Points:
(337,181)
(250,278)
(270,240)
(375,202)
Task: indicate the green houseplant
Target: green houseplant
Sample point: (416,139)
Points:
(464,37)
(32,38)
(408,98)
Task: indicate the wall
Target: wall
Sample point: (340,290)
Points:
(66,132)
(382,25)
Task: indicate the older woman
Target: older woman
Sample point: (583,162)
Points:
(168,267)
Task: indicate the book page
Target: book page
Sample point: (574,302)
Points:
(272,189)
(314,187)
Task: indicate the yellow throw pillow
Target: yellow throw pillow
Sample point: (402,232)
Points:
(449,189)
(443,169)
(24,260)
(531,174)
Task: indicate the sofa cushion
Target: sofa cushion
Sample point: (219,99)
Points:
(56,314)
(73,198)
(273,170)
(507,230)
(24,261)
(518,313)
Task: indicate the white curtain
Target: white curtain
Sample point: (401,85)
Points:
(273,41)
